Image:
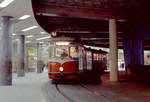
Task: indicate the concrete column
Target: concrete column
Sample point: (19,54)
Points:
(113,56)
(26,58)
(39,58)
(14,57)
(6,30)
(21,54)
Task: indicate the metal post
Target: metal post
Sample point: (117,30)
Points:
(113,50)
(39,58)
(21,54)
(6,30)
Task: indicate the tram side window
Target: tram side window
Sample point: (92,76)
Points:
(74,52)
(89,56)
(95,56)
(62,52)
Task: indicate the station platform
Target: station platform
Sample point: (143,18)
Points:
(24,89)
(128,88)
(38,88)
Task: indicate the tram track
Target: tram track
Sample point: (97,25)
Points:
(85,88)
(98,94)
(63,94)
(80,93)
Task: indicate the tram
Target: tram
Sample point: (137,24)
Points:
(69,59)
(64,58)
(96,59)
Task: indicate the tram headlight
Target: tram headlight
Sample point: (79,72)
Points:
(61,69)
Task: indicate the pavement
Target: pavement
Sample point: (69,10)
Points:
(127,89)
(38,88)
(24,89)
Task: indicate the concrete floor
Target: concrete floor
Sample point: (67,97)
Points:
(24,89)
(38,88)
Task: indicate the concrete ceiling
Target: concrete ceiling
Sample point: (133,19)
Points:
(17,9)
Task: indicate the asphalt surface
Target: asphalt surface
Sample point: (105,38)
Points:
(38,88)
(95,93)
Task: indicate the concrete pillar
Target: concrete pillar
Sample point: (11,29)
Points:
(21,53)
(6,30)
(26,58)
(133,54)
(14,57)
(113,56)
(39,58)
(138,52)
(128,54)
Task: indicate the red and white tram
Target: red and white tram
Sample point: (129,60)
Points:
(69,59)
(64,56)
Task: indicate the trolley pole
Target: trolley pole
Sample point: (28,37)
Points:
(113,55)
(6,50)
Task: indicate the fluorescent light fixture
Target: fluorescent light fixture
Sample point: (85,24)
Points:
(14,34)
(41,42)
(28,41)
(42,32)
(29,36)
(5,3)
(54,34)
(26,29)
(62,43)
(24,17)
(44,38)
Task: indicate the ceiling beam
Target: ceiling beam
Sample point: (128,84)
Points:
(89,13)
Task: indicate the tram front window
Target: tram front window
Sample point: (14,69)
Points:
(62,52)
(74,52)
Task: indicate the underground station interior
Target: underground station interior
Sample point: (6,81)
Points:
(74,50)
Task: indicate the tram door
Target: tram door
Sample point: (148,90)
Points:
(84,59)
(81,59)
(89,60)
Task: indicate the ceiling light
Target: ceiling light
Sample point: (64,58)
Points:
(26,29)
(24,17)
(54,34)
(5,3)
(41,42)
(44,38)
(62,43)
(13,34)
(28,41)
(29,36)
(42,32)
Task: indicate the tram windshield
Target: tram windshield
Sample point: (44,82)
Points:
(74,52)
(62,52)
